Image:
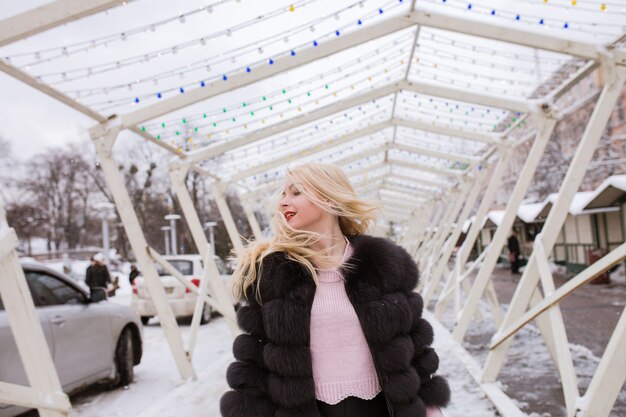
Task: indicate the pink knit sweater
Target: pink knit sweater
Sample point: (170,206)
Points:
(342,362)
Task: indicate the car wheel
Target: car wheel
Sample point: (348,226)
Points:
(207,311)
(125,358)
(145,319)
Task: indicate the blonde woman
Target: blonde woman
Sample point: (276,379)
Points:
(332,326)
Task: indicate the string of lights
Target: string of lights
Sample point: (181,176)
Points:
(357,62)
(329,126)
(440,40)
(86,72)
(237,165)
(267,151)
(216,131)
(317,128)
(213,123)
(529,18)
(585,5)
(93,43)
(475,59)
(487,86)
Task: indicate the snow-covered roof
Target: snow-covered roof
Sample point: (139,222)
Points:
(608,193)
(528,212)
(494,218)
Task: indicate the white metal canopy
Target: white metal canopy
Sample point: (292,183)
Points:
(422,103)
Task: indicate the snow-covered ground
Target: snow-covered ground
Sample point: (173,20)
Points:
(528,376)
(158,390)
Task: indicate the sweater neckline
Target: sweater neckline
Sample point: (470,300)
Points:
(344,258)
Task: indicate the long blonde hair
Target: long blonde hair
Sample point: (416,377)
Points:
(326,186)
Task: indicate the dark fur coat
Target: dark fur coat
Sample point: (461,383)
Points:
(272,376)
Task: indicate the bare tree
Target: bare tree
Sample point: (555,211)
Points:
(58,184)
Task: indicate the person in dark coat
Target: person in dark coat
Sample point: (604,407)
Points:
(97,274)
(134,273)
(322,293)
(514,251)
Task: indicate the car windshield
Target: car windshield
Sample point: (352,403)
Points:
(184,267)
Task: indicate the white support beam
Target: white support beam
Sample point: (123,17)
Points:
(467,206)
(252,221)
(422,181)
(401,194)
(264,188)
(427,168)
(104,136)
(469,96)
(407,190)
(29,337)
(615,78)
(583,278)
(414,184)
(68,101)
(293,123)
(405,206)
(609,377)
(458,274)
(280,66)
(310,151)
(213,281)
(545,128)
(48,16)
(367,170)
(219,191)
(435,154)
(528,38)
(489,138)
(360,155)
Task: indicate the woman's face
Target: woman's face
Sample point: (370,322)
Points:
(300,212)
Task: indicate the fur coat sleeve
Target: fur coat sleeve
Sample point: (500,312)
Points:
(248,375)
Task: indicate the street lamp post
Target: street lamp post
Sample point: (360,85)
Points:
(210,226)
(172,218)
(166,238)
(106,213)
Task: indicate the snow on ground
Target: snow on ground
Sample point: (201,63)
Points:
(159,391)
(527,375)
(157,377)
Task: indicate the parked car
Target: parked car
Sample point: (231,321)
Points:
(180,298)
(91,339)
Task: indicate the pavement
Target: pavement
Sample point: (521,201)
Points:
(528,376)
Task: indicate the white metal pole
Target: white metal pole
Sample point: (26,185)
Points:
(254,224)
(172,218)
(545,128)
(608,380)
(227,217)
(467,204)
(457,277)
(105,238)
(212,282)
(536,268)
(104,136)
(46,393)
(166,239)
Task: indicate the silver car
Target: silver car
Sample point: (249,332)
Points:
(91,339)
